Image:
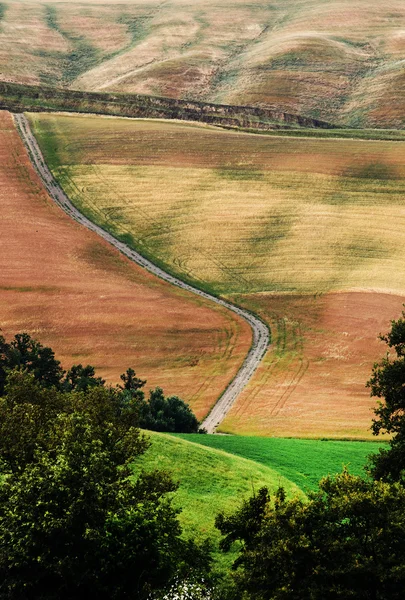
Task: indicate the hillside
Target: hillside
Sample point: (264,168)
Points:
(72,291)
(294,229)
(304,462)
(335,60)
(211,481)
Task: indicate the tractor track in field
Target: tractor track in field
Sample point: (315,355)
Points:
(261,333)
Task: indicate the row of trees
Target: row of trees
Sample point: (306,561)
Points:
(156,413)
(75,521)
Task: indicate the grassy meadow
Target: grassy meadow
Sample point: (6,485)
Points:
(73,292)
(294,229)
(338,60)
(211,481)
(304,462)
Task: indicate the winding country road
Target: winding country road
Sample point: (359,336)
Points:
(261,334)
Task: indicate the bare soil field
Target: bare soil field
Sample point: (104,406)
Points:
(73,292)
(307,233)
(337,60)
(312,381)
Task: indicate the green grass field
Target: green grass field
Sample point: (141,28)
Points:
(211,481)
(216,473)
(303,462)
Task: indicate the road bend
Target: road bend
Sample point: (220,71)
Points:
(261,333)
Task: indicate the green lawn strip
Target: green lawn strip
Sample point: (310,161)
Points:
(211,481)
(303,462)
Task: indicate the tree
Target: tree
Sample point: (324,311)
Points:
(81,378)
(26,353)
(166,414)
(73,521)
(131,383)
(157,413)
(387,383)
(347,541)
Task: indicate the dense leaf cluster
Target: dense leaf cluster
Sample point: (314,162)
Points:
(346,541)
(73,521)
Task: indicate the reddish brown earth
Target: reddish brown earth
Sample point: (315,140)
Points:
(312,382)
(70,290)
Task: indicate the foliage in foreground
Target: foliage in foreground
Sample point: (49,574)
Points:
(72,520)
(387,383)
(347,541)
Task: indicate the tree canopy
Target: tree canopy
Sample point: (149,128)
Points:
(156,412)
(73,520)
(387,383)
(346,541)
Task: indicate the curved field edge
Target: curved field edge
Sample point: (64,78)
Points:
(302,461)
(260,331)
(211,481)
(303,215)
(71,290)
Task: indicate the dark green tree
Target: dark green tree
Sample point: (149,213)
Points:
(131,383)
(167,414)
(73,520)
(346,542)
(81,378)
(26,353)
(387,383)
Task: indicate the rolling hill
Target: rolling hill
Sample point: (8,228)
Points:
(305,232)
(211,481)
(72,291)
(337,60)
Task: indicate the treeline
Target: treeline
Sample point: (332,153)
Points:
(74,520)
(156,412)
(19,98)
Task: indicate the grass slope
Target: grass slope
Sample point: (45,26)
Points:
(303,462)
(211,481)
(294,229)
(72,291)
(338,60)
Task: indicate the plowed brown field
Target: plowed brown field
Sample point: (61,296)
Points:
(69,289)
(312,381)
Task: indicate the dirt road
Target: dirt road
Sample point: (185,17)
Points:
(261,334)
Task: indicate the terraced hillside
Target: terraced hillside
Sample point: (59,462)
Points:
(338,60)
(307,233)
(69,289)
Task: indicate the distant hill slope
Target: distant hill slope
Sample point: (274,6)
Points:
(335,60)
